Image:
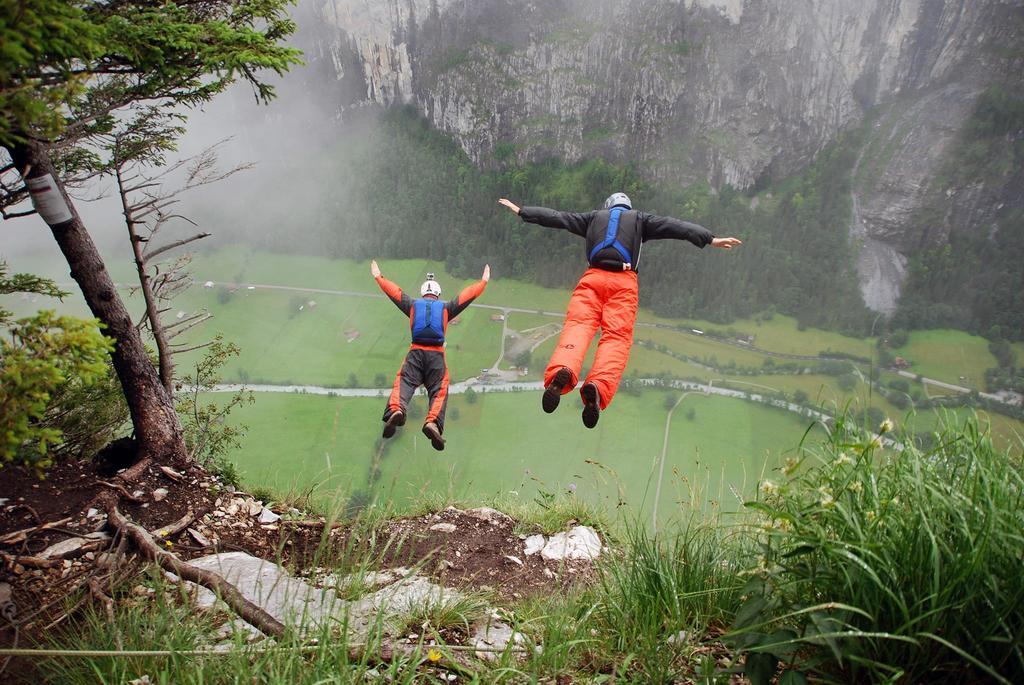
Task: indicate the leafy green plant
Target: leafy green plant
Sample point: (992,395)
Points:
(40,357)
(889,562)
(208,435)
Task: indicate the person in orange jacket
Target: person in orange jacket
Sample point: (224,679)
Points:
(425,362)
(606,296)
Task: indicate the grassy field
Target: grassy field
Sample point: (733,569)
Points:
(950,356)
(326,343)
(700,347)
(503,442)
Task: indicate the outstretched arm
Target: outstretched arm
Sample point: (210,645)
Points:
(394,293)
(468,294)
(668,228)
(574,222)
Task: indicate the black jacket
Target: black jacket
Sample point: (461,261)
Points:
(635,228)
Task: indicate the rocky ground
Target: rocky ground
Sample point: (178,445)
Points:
(56,544)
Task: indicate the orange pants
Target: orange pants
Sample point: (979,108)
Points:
(605,300)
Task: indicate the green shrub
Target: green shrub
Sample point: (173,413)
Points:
(885,564)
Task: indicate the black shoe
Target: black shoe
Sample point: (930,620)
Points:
(553,391)
(431,430)
(591,405)
(394,421)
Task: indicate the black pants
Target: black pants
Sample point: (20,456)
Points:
(426,368)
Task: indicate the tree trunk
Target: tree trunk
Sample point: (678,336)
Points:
(157,427)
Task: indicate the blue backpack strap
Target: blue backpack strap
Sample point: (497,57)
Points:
(611,237)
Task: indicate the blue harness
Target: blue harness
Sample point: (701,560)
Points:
(611,239)
(428,322)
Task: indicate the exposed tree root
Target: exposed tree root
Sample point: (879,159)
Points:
(123,492)
(172,529)
(20,535)
(143,541)
(31,562)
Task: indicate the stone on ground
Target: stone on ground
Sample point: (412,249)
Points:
(580,543)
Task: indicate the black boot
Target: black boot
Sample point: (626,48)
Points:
(591,405)
(394,421)
(553,391)
(431,430)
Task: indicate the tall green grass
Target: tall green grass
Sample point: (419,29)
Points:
(891,563)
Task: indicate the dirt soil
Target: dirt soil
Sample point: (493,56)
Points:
(483,553)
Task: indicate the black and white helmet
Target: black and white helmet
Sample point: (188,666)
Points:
(618,200)
(430,287)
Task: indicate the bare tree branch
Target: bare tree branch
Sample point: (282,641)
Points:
(16,215)
(150,254)
(177,350)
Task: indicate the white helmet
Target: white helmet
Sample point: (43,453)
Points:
(430,287)
(618,200)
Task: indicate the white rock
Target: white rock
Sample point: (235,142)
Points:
(138,494)
(514,560)
(492,516)
(267,516)
(255,507)
(200,539)
(269,586)
(63,548)
(92,513)
(160,494)
(493,635)
(581,542)
(444,527)
(533,544)
(679,637)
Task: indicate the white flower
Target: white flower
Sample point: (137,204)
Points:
(769,488)
(790,467)
(857,487)
(827,500)
(843,458)
(886,426)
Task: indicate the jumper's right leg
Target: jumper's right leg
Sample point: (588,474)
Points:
(407,380)
(581,322)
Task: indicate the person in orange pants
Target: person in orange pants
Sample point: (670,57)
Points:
(606,296)
(425,362)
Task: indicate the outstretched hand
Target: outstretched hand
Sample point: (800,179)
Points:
(726,243)
(508,203)
(487,273)
(374,269)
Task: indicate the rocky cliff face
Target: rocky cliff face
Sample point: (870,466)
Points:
(730,91)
